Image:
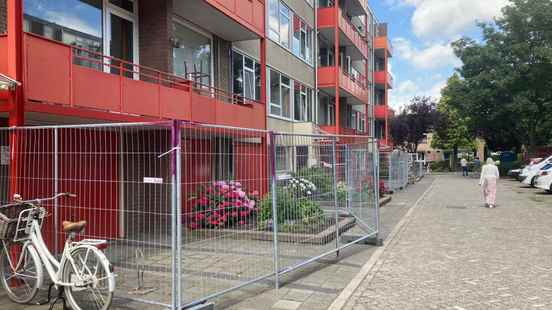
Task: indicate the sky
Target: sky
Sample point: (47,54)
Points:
(421,32)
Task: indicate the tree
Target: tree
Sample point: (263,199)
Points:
(418,118)
(452,131)
(505,86)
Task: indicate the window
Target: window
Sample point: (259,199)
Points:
(285,25)
(280,95)
(246,76)
(301,156)
(79,25)
(223,159)
(302,39)
(303,101)
(192,54)
(290,30)
(283,160)
(273,20)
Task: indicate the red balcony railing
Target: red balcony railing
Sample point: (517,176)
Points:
(356,86)
(384,43)
(74,77)
(381,112)
(382,77)
(326,18)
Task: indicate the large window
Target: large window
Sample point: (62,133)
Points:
(192,54)
(280,95)
(284,102)
(303,103)
(246,76)
(74,22)
(288,29)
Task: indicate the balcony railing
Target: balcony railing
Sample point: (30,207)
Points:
(71,76)
(326,18)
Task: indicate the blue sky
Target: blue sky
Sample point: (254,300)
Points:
(421,32)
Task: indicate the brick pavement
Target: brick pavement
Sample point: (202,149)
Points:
(454,254)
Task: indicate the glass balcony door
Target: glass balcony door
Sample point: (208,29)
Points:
(121,41)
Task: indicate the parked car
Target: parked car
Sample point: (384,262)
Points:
(535,164)
(536,170)
(544,180)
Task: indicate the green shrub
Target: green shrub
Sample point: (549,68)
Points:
(320,176)
(440,166)
(290,208)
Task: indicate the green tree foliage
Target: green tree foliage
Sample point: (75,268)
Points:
(452,131)
(504,93)
(419,117)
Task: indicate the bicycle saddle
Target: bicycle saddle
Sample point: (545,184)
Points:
(75,227)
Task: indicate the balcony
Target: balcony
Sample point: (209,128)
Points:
(349,36)
(383,78)
(233,20)
(67,80)
(383,44)
(354,87)
(381,112)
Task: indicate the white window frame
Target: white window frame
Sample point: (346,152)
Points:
(244,68)
(179,20)
(108,9)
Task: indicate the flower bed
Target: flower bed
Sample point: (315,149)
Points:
(222,204)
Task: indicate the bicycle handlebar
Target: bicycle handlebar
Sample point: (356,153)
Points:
(38,200)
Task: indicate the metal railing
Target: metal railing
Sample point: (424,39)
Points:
(194,211)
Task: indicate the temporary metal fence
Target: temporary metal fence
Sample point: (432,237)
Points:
(194,211)
(394,169)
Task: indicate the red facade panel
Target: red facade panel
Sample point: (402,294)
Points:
(380,112)
(326,76)
(47,70)
(203,109)
(175,103)
(140,97)
(249,13)
(104,95)
(3,54)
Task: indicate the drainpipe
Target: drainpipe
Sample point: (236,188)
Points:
(315,53)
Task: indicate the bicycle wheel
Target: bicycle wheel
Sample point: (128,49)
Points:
(94,283)
(20,272)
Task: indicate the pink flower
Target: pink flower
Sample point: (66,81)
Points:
(241,193)
(194,225)
(251,204)
(199,216)
(237,203)
(242,222)
(203,201)
(244,213)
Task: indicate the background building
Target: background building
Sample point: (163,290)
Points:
(383,82)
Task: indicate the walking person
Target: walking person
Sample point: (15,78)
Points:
(488,180)
(464,164)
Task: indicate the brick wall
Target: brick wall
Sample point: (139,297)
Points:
(3,18)
(155,33)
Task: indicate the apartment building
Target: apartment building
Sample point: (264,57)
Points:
(301,66)
(345,58)
(383,83)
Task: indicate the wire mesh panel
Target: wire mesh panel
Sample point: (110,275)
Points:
(194,211)
(122,188)
(226,238)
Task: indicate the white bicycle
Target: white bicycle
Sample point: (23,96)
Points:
(83,273)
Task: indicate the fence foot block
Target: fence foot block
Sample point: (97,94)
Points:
(207,306)
(376,241)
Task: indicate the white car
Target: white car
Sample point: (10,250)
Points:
(528,174)
(544,180)
(523,171)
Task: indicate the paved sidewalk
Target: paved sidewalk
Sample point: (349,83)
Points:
(454,254)
(312,288)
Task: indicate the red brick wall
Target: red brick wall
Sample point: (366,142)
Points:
(155,33)
(3,18)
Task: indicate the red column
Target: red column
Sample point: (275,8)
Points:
(337,68)
(15,58)
(15,71)
(386,59)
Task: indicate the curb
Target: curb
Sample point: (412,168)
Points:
(364,272)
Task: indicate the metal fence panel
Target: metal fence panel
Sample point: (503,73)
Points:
(123,192)
(194,211)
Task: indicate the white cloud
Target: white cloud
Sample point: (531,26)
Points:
(401,96)
(434,56)
(446,19)
(407,86)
